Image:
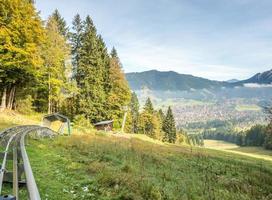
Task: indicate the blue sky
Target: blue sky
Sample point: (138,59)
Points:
(216,39)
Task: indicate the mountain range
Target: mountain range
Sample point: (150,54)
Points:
(173,81)
(260,78)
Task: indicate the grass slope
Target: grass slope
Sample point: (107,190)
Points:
(10,118)
(107,167)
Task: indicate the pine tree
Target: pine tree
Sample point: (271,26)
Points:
(145,124)
(149,122)
(114,53)
(119,95)
(268,135)
(149,125)
(91,66)
(134,112)
(149,106)
(76,43)
(182,137)
(161,115)
(161,118)
(105,61)
(169,127)
(61,24)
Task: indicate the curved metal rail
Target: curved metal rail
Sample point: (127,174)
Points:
(15,137)
(30,180)
(3,166)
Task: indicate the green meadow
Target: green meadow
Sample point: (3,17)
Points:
(106,166)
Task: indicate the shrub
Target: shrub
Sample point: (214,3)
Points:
(268,137)
(80,122)
(24,106)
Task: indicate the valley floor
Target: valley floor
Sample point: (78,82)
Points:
(256,152)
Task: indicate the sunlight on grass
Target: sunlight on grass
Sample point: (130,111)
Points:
(218,144)
(11,118)
(247,107)
(256,152)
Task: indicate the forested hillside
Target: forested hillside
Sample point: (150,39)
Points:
(173,81)
(47,67)
(156,80)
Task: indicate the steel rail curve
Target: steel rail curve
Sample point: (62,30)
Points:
(14,138)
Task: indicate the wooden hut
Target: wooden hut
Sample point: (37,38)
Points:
(104,125)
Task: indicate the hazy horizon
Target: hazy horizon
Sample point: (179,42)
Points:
(219,40)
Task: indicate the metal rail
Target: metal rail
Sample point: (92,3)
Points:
(14,139)
(15,173)
(3,166)
(30,180)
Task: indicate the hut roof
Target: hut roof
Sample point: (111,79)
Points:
(103,122)
(56,117)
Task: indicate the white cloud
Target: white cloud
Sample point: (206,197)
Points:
(255,85)
(145,55)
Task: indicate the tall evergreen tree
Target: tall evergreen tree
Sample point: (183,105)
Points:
(90,73)
(105,61)
(148,121)
(268,135)
(134,112)
(148,106)
(114,53)
(169,127)
(76,43)
(161,115)
(61,23)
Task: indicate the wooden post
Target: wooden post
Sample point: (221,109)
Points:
(124,122)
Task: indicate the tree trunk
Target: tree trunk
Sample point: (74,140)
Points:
(49,95)
(4,100)
(11,98)
(49,106)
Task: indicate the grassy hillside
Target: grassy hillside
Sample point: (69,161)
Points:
(106,166)
(256,152)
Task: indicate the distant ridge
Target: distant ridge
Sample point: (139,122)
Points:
(260,78)
(170,80)
(232,81)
